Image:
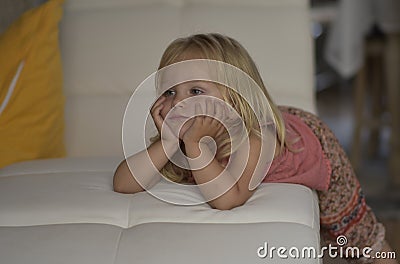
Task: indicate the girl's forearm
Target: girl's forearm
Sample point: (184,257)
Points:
(140,171)
(221,193)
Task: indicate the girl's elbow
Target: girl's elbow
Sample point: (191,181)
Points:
(119,180)
(118,186)
(224,205)
(121,187)
(123,183)
(230,200)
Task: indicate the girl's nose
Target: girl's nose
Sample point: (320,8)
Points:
(178,100)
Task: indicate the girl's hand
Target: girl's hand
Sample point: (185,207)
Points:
(166,134)
(205,123)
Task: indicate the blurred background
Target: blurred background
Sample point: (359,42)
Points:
(357,89)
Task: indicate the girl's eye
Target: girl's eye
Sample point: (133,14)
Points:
(196,91)
(168,93)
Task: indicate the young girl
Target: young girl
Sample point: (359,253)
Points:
(306,151)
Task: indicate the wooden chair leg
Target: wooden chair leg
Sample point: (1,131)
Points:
(392,59)
(377,93)
(359,101)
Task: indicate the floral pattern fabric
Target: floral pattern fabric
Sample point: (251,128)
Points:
(343,210)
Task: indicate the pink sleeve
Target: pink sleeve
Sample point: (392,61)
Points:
(305,163)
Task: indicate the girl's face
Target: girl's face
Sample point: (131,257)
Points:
(175,96)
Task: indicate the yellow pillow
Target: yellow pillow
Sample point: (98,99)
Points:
(31,96)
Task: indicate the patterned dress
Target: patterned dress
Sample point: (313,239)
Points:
(343,210)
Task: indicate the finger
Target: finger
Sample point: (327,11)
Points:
(221,116)
(158,102)
(209,108)
(214,111)
(156,114)
(155,108)
(156,111)
(158,121)
(197,112)
(219,110)
(208,112)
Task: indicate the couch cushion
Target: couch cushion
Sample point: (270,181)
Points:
(212,243)
(61,244)
(80,191)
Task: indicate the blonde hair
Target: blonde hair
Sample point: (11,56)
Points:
(214,46)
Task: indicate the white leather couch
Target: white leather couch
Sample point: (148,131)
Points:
(65,211)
